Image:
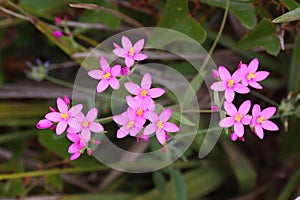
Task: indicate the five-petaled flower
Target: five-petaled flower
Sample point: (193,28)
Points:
(161,125)
(250,76)
(261,120)
(78,146)
(130,52)
(106,74)
(237,118)
(229,84)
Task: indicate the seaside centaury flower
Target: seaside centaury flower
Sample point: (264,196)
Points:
(78,146)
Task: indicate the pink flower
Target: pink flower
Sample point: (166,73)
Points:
(129,122)
(129,52)
(229,84)
(144,91)
(250,76)
(86,125)
(161,125)
(78,146)
(44,124)
(238,118)
(64,116)
(139,107)
(58,34)
(107,75)
(260,120)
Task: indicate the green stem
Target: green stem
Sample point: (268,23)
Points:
(266,99)
(294,179)
(197,111)
(105,120)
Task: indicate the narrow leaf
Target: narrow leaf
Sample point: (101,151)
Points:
(288,17)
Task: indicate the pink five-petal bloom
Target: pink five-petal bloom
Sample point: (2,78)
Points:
(140,107)
(250,75)
(130,52)
(161,125)
(106,75)
(79,144)
(260,120)
(129,122)
(86,124)
(145,91)
(229,84)
(64,116)
(237,118)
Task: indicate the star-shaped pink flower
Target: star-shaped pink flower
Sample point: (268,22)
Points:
(79,144)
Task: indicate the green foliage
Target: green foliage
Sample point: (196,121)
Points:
(179,185)
(288,17)
(290,4)
(55,181)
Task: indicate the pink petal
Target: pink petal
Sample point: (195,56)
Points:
(253,65)
(170,127)
(138,46)
(245,107)
(149,129)
(73,137)
(229,95)
(152,116)
(61,127)
(120,52)
(140,57)
(246,120)
(115,70)
(224,73)
(72,130)
(165,115)
(122,132)
(120,119)
(134,131)
(86,134)
(146,81)
(53,116)
(233,137)
(255,85)
(116,46)
(215,74)
(261,75)
(75,124)
(244,70)
(114,83)
(140,122)
(218,86)
(259,131)
(126,43)
(75,156)
(132,102)
(75,110)
(102,85)
(161,137)
(268,112)
(132,88)
(239,88)
(236,76)
(61,105)
(268,125)
(131,114)
(245,81)
(96,74)
(96,127)
(92,114)
(239,129)
(226,122)
(73,148)
(230,108)
(129,61)
(103,63)
(256,110)
(156,92)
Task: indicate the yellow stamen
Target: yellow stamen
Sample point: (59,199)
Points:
(143,93)
(160,124)
(106,75)
(85,123)
(230,83)
(139,112)
(238,117)
(130,124)
(131,51)
(251,75)
(260,120)
(64,115)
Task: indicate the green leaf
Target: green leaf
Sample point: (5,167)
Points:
(290,186)
(159,181)
(55,181)
(182,119)
(290,4)
(176,17)
(38,7)
(288,17)
(12,188)
(243,11)
(294,80)
(179,185)
(262,36)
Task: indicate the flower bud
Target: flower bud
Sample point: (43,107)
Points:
(44,124)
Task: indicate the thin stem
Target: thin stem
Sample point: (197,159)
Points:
(266,99)
(197,111)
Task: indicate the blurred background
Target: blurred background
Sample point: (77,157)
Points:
(42,43)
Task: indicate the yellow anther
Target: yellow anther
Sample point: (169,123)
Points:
(130,124)
(131,51)
(85,123)
(144,93)
(160,124)
(106,75)
(238,117)
(230,83)
(139,112)
(251,75)
(260,120)
(64,115)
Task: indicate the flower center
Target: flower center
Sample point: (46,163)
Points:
(64,115)
(144,93)
(230,83)
(260,120)
(106,75)
(131,51)
(251,75)
(238,117)
(139,112)
(85,123)
(130,124)
(160,124)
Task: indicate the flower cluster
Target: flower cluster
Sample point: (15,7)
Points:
(242,78)
(73,121)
